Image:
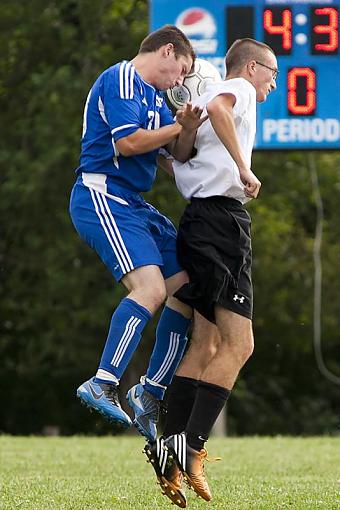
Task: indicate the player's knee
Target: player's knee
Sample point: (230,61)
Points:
(161,295)
(146,286)
(209,351)
(246,350)
(249,349)
(155,294)
(206,354)
(200,353)
(208,348)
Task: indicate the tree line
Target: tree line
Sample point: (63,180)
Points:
(57,297)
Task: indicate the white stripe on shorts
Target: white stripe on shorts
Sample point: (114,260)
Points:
(117,233)
(111,231)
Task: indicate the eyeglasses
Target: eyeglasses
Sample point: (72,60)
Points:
(274,71)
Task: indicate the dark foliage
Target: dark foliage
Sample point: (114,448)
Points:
(57,298)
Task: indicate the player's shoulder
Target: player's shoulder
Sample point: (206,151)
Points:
(218,88)
(116,70)
(238,83)
(122,78)
(241,88)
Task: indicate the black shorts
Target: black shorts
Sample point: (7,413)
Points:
(214,247)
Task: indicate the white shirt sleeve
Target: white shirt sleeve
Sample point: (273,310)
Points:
(239,88)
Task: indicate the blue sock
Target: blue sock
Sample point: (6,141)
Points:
(168,351)
(127,324)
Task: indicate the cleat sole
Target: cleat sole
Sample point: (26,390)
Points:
(120,424)
(176,497)
(142,431)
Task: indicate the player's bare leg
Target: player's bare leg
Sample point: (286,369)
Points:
(147,291)
(236,346)
(203,345)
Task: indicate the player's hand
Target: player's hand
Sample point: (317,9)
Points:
(251,183)
(190,117)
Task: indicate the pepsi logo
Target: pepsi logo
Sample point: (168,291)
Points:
(196,22)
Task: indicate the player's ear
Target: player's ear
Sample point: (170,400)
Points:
(251,67)
(168,49)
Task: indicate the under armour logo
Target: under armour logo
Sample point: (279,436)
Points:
(238,298)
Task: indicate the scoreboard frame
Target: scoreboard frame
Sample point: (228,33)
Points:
(304,112)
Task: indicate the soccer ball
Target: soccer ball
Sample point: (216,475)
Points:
(194,84)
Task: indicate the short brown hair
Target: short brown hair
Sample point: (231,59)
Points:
(165,35)
(244,50)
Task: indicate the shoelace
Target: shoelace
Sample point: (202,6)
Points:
(152,406)
(213,459)
(204,456)
(111,393)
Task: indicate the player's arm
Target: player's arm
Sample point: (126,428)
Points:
(126,118)
(165,163)
(190,118)
(220,111)
(141,140)
(145,140)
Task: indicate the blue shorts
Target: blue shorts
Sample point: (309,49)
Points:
(124,230)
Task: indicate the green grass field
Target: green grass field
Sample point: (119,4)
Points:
(81,473)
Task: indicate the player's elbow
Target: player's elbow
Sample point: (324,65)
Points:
(128,152)
(126,148)
(132,144)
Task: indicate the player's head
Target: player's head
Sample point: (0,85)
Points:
(256,62)
(175,55)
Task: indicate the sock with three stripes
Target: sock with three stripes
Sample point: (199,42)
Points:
(127,324)
(168,351)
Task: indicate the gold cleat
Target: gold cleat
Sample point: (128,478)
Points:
(191,463)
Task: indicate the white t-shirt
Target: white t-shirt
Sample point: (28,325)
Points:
(213,171)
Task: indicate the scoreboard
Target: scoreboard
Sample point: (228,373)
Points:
(304,111)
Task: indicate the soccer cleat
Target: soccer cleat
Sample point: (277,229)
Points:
(191,464)
(104,398)
(169,475)
(146,409)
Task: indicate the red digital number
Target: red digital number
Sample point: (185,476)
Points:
(301,91)
(331,29)
(285,29)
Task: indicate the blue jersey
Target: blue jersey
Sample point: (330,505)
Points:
(119,103)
